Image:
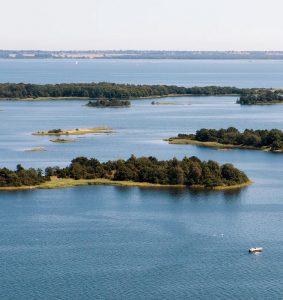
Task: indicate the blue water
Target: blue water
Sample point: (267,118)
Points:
(240,73)
(105,242)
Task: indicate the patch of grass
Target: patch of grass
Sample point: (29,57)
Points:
(96,130)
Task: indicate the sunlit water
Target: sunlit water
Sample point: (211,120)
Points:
(134,243)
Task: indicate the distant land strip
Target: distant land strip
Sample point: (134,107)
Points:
(139,54)
(123,92)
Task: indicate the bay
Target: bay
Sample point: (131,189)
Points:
(106,242)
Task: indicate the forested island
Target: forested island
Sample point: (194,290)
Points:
(144,171)
(118,95)
(267,140)
(261,96)
(109,103)
(104,90)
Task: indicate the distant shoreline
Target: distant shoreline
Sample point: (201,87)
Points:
(140,54)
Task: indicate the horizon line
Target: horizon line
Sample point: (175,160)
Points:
(137,50)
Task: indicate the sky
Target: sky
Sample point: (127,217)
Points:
(141,24)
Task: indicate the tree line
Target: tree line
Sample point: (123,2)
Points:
(110,91)
(257,138)
(261,96)
(188,171)
(21,177)
(105,90)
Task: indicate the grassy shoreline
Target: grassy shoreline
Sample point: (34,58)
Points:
(56,183)
(180,141)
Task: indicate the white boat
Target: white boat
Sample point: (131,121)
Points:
(255,249)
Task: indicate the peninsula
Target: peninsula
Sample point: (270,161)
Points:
(266,140)
(144,171)
(81,131)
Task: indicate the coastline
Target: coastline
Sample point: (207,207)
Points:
(180,141)
(56,183)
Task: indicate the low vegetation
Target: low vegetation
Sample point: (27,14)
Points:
(190,172)
(269,140)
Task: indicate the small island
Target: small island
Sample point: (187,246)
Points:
(266,140)
(144,172)
(63,141)
(109,103)
(36,150)
(165,103)
(81,131)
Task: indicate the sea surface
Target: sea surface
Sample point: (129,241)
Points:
(239,73)
(106,242)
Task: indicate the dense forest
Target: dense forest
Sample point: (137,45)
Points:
(106,90)
(261,96)
(189,171)
(109,103)
(21,177)
(256,138)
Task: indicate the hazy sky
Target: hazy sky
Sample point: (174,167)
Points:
(142,24)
